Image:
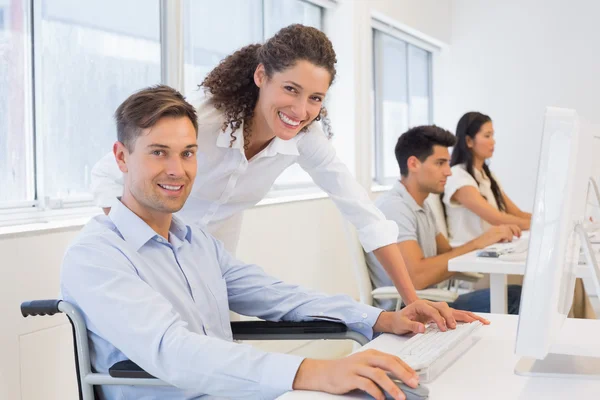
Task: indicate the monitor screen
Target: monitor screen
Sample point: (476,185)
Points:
(559,206)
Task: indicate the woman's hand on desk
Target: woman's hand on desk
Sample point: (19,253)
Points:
(367,370)
(411,319)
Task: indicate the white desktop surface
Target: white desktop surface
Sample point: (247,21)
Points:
(471,263)
(498,270)
(486,370)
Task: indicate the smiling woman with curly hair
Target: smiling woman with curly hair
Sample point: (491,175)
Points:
(232,87)
(264,112)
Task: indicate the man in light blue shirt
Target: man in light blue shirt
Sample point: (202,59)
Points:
(158,292)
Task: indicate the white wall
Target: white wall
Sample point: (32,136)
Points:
(509,59)
(35,353)
(300,242)
(429,17)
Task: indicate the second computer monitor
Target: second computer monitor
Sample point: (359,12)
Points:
(554,243)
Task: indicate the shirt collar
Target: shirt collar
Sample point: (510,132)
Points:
(137,232)
(277,145)
(288,147)
(400,189)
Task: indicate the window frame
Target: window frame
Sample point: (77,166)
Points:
(380,25)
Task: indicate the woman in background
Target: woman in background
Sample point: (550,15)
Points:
(473,197)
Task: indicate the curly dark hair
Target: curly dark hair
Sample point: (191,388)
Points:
(231,83)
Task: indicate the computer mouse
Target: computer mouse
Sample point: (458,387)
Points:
(419,393)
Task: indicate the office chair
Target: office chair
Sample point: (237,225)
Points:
(128,373)
(368,294)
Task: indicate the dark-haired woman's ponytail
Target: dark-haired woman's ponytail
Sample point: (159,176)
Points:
(495,188)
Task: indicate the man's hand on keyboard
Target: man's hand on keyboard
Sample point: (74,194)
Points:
(366,370)
(411,319)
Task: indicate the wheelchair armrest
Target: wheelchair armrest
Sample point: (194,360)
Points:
(259,328)
(128,369)
(304,330)
(40,307)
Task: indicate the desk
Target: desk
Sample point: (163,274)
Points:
(498,270)
(486,370)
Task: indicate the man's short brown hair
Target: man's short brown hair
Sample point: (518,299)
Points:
(143,109)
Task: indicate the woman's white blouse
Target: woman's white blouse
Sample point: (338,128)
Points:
(227,183)
(463,224)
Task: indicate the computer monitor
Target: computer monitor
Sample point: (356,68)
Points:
(556,237)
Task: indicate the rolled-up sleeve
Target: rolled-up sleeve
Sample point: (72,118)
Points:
(107,181)
(318,157)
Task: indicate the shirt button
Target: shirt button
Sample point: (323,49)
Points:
(364,315)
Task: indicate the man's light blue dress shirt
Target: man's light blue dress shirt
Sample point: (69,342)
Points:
(164,304)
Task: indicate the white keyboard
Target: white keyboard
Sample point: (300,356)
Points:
(516,246)
(420,351)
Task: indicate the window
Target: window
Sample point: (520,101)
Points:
(61,78)
(89,57)
(232,25)
(16,157)
(402,86)
(2,23)
(281,13)
(226,26)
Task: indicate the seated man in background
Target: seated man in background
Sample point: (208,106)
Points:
(423,158)
(158,292)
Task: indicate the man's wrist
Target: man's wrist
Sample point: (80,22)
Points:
(384,322)
(308,375)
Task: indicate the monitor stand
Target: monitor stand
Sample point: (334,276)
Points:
(566,365)
(560,366)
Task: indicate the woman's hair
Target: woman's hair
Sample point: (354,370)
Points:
(468,126)
(231,83)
